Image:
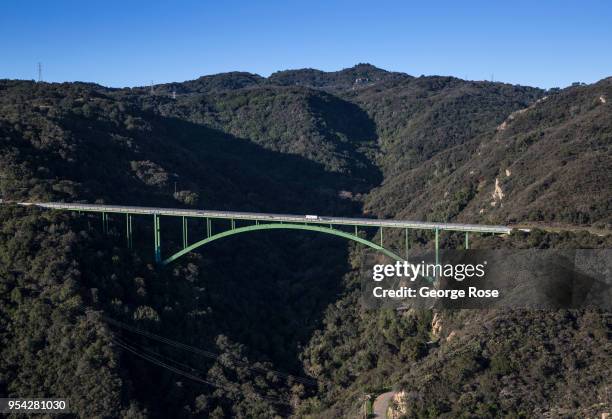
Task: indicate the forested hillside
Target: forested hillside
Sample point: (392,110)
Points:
(547,161)
(271,324)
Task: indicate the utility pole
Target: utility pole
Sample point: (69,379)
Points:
(151,87)
(39,72)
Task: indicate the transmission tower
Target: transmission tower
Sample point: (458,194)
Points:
(39,72)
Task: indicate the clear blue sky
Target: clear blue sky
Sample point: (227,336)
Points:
(130,43)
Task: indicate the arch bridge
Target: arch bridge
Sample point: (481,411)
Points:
(336,226)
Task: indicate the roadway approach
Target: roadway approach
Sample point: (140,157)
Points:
(265,221)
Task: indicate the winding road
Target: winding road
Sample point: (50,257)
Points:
(381,404)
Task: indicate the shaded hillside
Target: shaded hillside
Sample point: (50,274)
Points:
(75,142)
(315,125)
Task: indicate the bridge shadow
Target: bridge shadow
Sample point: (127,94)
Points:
(209,168)
(111,163)
(230,172)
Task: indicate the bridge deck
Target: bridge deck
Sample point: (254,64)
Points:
(178,212)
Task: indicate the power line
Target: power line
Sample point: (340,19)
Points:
(152,359)
(183,373)
(202,352)
(87,310)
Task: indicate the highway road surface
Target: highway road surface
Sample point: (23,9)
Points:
(254,216)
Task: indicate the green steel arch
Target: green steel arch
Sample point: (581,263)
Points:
(278,226)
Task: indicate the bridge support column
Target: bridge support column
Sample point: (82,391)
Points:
(157,237)
(185,238)
(128,230)
(104,222)
(208,228)
(407,246)
(467,240)
(381,237)
(437,246)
